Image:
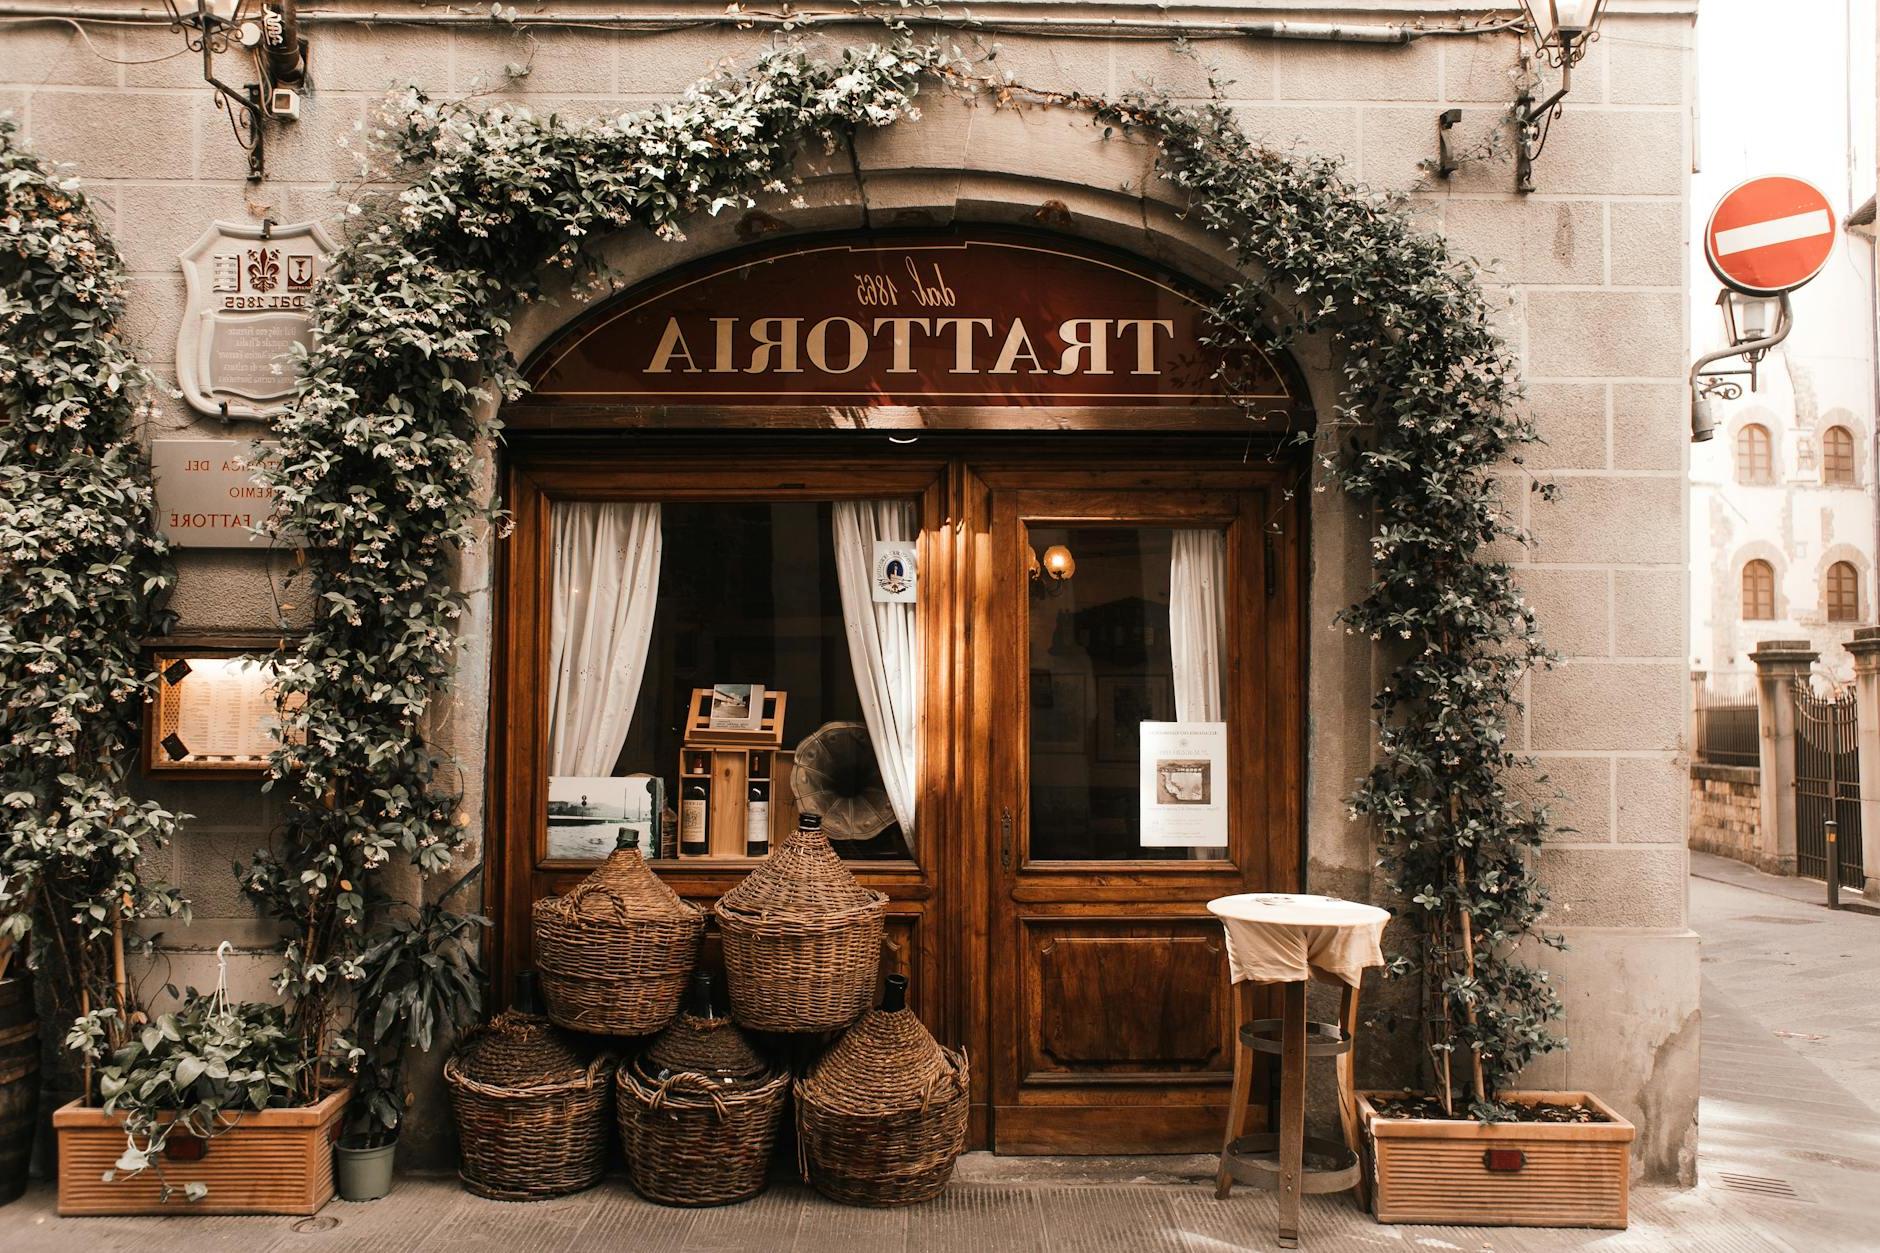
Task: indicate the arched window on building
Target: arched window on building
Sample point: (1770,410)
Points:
(1759,591)
(1755,456)
(1841,593)
(1837,455)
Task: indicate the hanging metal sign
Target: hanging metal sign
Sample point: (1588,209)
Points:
(247,308)
(1769,235)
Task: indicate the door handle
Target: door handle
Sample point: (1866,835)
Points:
(1005,837)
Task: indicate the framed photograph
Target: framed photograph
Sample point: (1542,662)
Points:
(737,706)
(587,813)
(1124,703)
(1060,712)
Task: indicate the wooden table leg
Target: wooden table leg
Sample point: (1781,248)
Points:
(1348,1091)
(1292,1107)
(1239,1002)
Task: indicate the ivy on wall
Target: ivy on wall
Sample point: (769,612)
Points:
(383,452)
(81,573)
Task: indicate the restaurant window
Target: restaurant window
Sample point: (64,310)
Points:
(1837,455)
(1842,593)
(1755,458)
(1759,591)
(794,620)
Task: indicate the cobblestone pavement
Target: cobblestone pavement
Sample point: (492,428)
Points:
(1790,1159)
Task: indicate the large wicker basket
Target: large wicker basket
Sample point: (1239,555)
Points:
(699,1112)
(615,952)
(802,939)
(882,1117)
(531,1115)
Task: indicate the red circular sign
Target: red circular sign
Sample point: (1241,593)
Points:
(1770,235)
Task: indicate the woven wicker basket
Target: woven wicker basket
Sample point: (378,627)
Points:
(882,1117)
(615,952)
(802,939)
(695,1140)
(531,1115)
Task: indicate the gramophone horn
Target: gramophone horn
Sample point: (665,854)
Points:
(835,774)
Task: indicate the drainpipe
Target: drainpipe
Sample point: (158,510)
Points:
(280,36)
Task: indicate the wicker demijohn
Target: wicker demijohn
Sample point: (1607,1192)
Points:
(802,939)
(531,1115)
(616,951)
(882,1116)
(699,1113)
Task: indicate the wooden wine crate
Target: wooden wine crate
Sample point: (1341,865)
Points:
(275,1161)
(1439,1171)
(727,774)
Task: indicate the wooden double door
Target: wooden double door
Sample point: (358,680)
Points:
(1072,610)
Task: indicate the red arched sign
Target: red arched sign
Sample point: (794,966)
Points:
(931,321)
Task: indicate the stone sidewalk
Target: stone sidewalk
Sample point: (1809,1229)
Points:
(1789,1160)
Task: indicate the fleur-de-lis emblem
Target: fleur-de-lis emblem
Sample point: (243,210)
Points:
(264,268)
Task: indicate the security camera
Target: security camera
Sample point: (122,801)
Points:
(284,102)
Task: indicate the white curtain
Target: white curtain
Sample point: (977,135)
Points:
(605,563)
(1197,614)
(884,645)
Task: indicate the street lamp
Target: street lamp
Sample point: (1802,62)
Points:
(1752,325)
(1561,31)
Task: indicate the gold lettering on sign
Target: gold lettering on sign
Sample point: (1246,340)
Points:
(783,339)
(1095,341)
(929,295)
(962,340)
(817,345)
(1017,343)
(671,345)
(1145,329)
(899,361)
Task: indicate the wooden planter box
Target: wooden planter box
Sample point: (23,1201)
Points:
(277,1161)
(1438,1171)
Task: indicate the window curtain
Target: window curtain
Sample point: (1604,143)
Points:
(605,563)
(1197,613)
(884,646)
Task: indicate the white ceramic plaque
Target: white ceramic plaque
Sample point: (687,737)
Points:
(247,308)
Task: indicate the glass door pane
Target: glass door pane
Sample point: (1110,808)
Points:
(1126,637)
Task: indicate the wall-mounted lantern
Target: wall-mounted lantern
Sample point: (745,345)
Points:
(270,34)
(1752,325)
(1561,31)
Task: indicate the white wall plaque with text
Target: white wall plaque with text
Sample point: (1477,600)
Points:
(247,308)
(207,493)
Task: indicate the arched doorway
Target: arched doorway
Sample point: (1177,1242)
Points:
(1083,692)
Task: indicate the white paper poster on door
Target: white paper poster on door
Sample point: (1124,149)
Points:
(1184,784)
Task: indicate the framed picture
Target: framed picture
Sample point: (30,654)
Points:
(737,706)
(588,813)
(1060,712)
(1124,703)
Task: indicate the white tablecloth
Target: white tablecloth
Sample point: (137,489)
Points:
(1280,937)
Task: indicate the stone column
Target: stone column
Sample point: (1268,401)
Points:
(1865,647)
(1778,664)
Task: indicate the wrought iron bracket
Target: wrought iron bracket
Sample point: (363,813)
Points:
(1703,379)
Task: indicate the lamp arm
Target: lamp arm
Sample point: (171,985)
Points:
(1785,322)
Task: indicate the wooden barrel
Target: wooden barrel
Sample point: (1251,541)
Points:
(19,1084)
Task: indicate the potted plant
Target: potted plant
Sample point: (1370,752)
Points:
(420,974)
(200,1111)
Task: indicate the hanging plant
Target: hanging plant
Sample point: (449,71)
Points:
(383,450)
(81,573)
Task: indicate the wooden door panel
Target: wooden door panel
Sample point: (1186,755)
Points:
(1122,1001)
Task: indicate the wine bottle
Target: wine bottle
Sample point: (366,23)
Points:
(894,994)
(695,820)
(698,995)
(757,820)
(528,994)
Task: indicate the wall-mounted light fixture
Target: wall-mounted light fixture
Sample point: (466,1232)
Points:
(1753,325)
(1561,31)
(270,34)
(1051,572)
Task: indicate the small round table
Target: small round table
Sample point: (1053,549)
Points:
(1288,938)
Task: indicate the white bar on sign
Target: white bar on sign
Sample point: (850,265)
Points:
(1774,231)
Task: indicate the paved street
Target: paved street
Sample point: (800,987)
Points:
(1790,1157)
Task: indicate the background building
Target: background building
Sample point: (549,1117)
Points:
(1782,500)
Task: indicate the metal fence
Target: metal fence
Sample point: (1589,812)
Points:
(1727,724)
(1827,784)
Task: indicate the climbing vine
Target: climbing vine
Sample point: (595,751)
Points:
(81,574)
(382,453)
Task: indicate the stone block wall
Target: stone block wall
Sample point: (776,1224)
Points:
(1726,811)
(1588,275)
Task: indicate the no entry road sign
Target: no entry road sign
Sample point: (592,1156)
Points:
(1770,235)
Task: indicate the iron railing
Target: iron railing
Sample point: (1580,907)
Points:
(1727,726)
(1827,785)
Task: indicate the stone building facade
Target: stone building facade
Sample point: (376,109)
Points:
(1590,272)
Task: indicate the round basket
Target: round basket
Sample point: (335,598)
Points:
(882,1117)
(531,1115)
(615,952)
(694,1140)
(802,940)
